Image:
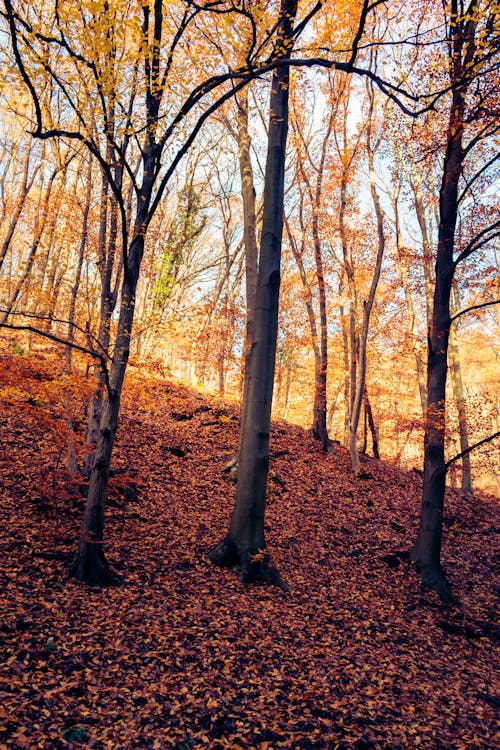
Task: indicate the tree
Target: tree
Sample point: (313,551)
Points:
(244,544)
(473,54)
(314,189)
(148,107)
(372,143)
(11,210)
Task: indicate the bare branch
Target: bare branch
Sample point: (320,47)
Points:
(476,176)
(482,238)
(474,307)
(471,448)
(65,342)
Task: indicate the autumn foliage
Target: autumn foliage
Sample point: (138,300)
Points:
(181,655)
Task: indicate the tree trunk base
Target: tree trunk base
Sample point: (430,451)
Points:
(321,437)
(90,566)
(434,579)
(254,567)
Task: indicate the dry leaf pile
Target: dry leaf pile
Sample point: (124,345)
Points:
(181,656)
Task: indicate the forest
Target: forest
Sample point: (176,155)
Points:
(249,287)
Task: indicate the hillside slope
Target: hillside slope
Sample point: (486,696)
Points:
(180,655)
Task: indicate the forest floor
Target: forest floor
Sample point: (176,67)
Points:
(180,655)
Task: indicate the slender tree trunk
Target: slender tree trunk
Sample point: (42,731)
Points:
(71,460)
(405,282)
(107,254)
(249,215)
(458,392)
(244,544)
(251,249)
(352,296)
(21,200)
(364,445)
(288,386)
(95,403)
(319,426)
(78,272)
(90,564)
(426,245)
(53,269)
(426,552)
(221,374)
(319,391)
(367,308)
(371,425)
(347,378)
(28,265)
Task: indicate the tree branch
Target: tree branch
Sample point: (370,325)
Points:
(471,448)
(36,316)
(481,238)
(65,342)
(474,307)
(475,177)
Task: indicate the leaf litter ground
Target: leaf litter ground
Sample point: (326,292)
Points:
(180,655)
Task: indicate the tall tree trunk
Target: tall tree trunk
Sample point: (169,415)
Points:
(21,200)
(244,544)
(298,254)
(367,307)
(352,296)
(249,215)
(71,460)
(412,323)
(288,386)
(426,552)
(250,240)
(347,377)
(415,182)
(319,426)
(107,254)
(458,392)
(90,564)
(40,226)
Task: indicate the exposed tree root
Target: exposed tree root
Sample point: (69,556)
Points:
(225,555)
(324,442)
(254,567)
(434,579)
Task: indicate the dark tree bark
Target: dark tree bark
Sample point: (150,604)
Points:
(90,564)
(244,545)
(371,425)
(426,552)
(106,259)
